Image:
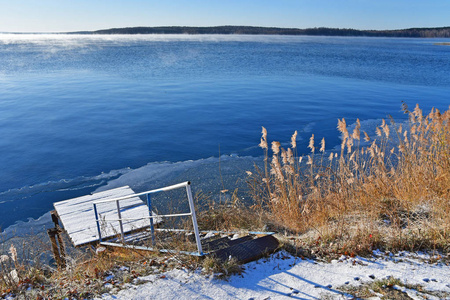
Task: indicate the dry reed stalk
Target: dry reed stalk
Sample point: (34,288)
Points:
(407,165)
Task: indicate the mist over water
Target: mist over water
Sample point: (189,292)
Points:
(85,113)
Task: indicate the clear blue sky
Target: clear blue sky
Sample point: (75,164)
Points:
(73,15)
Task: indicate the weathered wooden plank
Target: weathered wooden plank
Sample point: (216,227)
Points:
(85,202)
(99,195)
(249,249)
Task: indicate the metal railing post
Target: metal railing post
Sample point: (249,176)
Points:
(98,223)
(150,212)
(120,221)
(194,218)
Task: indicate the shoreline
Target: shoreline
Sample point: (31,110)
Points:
(204,173)
(423,32)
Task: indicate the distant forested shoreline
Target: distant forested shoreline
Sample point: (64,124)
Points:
(441,32)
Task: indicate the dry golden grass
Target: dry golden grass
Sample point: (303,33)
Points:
(393,193)
(230,215)
(86,273)
(21,263)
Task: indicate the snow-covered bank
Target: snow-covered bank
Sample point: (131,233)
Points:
(283,276)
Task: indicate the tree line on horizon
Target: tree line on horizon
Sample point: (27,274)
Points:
(441,32)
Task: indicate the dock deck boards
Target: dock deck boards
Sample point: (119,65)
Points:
(78,218)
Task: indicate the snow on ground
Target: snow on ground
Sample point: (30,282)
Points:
(282,276)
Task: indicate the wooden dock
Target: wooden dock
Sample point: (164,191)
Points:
(78,218)
(122,215)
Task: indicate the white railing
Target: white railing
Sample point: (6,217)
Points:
(191,213)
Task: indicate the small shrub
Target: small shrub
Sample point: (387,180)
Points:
(221,269)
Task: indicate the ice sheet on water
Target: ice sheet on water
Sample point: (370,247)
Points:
(62,185)
(24,229)
(210,175)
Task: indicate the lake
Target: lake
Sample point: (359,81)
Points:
(80,113)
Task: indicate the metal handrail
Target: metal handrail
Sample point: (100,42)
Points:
(151,217)
(164,189)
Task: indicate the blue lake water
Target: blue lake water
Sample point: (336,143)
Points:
(82,113)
